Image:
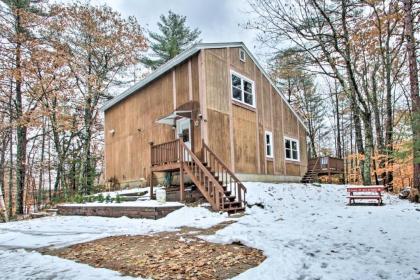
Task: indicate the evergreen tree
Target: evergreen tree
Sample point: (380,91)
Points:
(174,37)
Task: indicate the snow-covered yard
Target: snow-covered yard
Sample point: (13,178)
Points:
(307,232)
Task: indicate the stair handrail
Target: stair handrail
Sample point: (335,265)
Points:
(197,161)
(316,162)
(236,181)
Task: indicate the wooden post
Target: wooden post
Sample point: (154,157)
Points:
(181,183)
(151,185)
(329,170)
(151,172)
(181,172)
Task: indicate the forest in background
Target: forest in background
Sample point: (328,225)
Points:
(350,69)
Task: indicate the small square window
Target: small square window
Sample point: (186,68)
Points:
(242,55)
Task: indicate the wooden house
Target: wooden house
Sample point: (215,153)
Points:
(213,113)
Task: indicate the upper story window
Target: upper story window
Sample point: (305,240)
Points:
(291,147)
(242,55)
(269,144)
(243,89)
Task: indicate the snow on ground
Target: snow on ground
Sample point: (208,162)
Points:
(129,191)
(60,231)
(20,264)
(307,232)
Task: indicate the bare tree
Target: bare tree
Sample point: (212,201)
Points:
(414,88)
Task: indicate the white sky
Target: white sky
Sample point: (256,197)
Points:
(218,20)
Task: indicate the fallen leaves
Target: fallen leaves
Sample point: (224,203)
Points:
(165,256)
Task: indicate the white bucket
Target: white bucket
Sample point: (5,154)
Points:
(161,195)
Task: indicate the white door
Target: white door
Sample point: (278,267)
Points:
(183,131)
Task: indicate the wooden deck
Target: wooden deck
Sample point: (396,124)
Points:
(322,166)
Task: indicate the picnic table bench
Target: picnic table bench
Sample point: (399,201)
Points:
(365,192)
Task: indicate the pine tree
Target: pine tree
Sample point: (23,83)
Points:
(174,37)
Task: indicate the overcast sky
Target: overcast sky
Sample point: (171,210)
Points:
(218,20)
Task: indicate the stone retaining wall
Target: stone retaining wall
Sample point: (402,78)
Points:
(117,211)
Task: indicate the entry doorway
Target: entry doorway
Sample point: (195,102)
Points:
(183,131)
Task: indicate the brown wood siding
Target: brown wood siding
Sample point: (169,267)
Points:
(127,152)
(271,114)
(182,84)
(244,127)
(270,167)
(219,142)
(303,150)
(217,83)
(293,169)
(245,68)
(235,133)
(194,76)
(278,134)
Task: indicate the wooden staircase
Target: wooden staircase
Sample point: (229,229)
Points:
(218,184)
(311,175)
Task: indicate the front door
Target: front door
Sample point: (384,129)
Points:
(183,131)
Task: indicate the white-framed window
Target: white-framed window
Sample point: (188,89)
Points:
(242,55)
(243,89)
(291,149)
(269,148)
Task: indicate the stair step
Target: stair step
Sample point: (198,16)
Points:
(235,210)
(232,204)
(231,198)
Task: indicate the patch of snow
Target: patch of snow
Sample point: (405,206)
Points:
(20,264)
(309,232)
(306,232)
(128,191)
(61,231)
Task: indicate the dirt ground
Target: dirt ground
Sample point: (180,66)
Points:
(168,255)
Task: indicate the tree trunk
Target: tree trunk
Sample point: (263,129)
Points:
(367,180)
(41,169)
(337,117)
(2,162)
(414,88)
(21,125)
(85,179)
(10,193)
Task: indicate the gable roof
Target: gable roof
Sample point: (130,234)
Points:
(181,58)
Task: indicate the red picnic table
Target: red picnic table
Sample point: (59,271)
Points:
(365,192)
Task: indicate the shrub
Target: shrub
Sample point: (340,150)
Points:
(100,198)
(108,198)
(78,198)
(118,198)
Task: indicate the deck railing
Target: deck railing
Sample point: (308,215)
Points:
(216,182)
(224,174)
(326,164)
(165,153)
